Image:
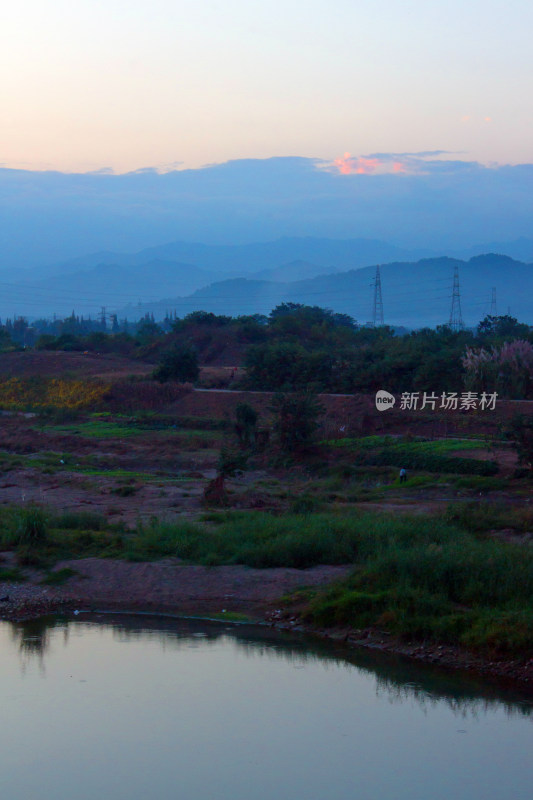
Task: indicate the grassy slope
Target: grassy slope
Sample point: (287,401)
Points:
(419,577)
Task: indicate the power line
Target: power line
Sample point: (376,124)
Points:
(493,309)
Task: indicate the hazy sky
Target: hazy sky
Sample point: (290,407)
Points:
(125,84)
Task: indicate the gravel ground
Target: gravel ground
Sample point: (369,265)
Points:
(166,585)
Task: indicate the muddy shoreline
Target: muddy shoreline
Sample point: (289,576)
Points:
(172,588)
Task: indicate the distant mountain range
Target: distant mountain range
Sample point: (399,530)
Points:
(177,269)
(415,294)
(439,204)
(253,278)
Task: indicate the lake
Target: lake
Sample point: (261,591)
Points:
(126,707)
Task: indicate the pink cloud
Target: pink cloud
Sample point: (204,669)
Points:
(368,165)
(399,167)
(348,165)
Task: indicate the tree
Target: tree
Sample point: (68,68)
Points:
(178,364)
(505,325)
(147,330)
(287,365)
(520,431)
(246,424)
(296,420)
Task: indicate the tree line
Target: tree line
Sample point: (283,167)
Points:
(300,347)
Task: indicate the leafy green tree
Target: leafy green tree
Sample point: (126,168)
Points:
(246,424)
(503,326)
(286,366)
(148,331)
(178,364)
(6,342)
(296,420)
(520,432)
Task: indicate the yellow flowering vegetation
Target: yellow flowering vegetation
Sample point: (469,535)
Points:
(19,394)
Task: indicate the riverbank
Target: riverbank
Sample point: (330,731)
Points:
(230,593)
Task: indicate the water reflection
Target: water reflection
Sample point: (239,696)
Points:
(33,638)
(397,679)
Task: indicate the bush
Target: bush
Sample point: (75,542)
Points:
(295,420)
(178,364)
(520,432)
(230,462)
(79,520)
(246,424)
(31,526)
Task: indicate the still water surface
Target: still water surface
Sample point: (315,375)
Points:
(139,707)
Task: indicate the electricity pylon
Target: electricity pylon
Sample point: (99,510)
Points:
(456,316)
(377,316)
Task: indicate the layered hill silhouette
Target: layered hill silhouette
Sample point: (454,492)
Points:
(253,278)
(415,294)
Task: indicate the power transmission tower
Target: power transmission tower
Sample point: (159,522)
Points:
(377,316)
(103,317)
(493,308)
(456,316)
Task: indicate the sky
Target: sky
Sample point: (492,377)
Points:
(174,84)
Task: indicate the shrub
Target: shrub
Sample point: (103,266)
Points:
(31,526)
(520,432)
(59,576)
(79,520)
(246,424)
(295,420)
(230,462)
(178,364)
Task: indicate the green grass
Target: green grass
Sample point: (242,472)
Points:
(419,577)
(440,583)
(416,482)
(103,429)
(117,473)
(153,420)
(58,577)
(432,446)
(231,616)
(429,456)
(125,491)
(68,535)
(12,575)
(480,516)
(79,520)
(263,540)
(96,429)
(480,483)
(435,578)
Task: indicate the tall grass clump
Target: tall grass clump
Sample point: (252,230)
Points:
(31,526)
(442,584)
(481,517)
(79,521)
(157,539)
(294,540)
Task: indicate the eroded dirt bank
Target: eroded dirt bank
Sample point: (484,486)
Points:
(168,586)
